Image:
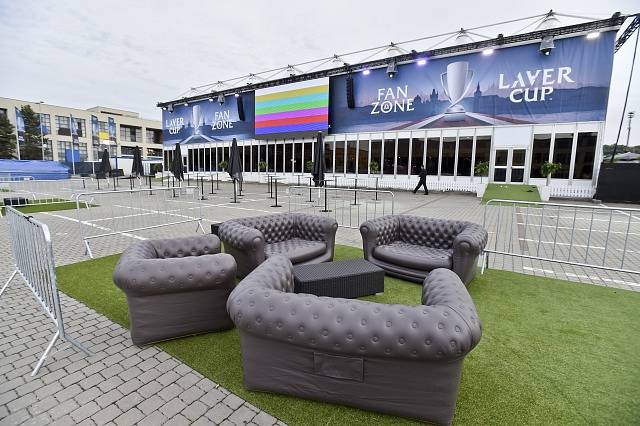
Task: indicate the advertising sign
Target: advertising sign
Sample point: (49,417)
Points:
(73,125)
(515,85)
(296,109)
(112,130)
(209,120)
(19,125)
(95,131)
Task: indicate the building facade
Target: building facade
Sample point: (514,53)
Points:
(131,131)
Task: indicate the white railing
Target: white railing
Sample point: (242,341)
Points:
(34,263)
(580,235)
(108,213)
(350,207)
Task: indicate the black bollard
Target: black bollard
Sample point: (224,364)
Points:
(355,193)
(326,209)
(276,191)
(310,200)
(376,189)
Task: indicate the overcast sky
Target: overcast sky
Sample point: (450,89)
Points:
(131,54)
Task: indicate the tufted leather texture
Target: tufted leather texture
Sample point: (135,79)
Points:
(464,241)
(175,287)
(414,256)
(250,240)
(445,328)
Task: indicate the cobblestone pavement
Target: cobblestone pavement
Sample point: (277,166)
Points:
(124,384)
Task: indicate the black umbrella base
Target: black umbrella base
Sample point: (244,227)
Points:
(325,211)
(276,205)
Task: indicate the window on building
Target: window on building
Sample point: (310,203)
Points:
(562,154)
(448,156)
(70,153)
(279,158)
(62,125)
(351,156)
(585,155)
(263,156)
(288,157)
(483,149)
(153,135)
(254,157)
(403,156)
(417,150)
(363,156)
(465,148)
(82,126)
(298,165)
(433,155)
(540,153)
(219,158)
(45,122)
(246,158)
(389,156)
(154,152)
(271,155)
(308,155)
(129,150)
(130,133)
(328,156)
(376,154)
(340,151)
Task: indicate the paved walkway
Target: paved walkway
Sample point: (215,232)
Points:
(123,384)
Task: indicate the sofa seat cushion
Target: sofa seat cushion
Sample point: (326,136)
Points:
(296,249)
(414,256)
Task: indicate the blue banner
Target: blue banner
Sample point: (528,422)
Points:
(95,131)
(515,85)
(112,130)
(19,125)
(207,121)
(73,124)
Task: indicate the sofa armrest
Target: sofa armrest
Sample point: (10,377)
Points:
(146,277)
(244,243)
(375,232)
(443,287)
(471,240)
(316,228)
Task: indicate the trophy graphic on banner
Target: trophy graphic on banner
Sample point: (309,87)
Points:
(456,83)
(196,118)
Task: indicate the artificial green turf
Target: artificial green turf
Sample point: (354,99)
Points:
(552,351)
(38,206)
(510,191)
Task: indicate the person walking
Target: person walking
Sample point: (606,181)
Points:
(423,181)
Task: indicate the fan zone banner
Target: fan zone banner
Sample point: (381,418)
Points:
(112,130)
(95,131)
(73,125)
(515,85)
(19,125)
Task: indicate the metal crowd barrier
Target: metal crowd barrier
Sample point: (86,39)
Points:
(124,212)
(34,263)
(598,237)
(350,207)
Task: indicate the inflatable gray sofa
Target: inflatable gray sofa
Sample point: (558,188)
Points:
(402,360)
(409,247)
(175,287)
(302,238)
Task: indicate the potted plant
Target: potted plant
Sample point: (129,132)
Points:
(547,170)
(308,166)
(223,164)
(262,166)
(481,169)
(374,167)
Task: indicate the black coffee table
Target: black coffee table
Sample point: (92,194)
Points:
(344,278)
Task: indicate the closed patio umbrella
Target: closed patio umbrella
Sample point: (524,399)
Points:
(318,170)
(105,164)
(176,164)
(235,168)
(137,168)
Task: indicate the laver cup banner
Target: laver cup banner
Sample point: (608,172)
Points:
(208,121)
(516,85)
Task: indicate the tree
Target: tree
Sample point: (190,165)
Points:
(31,148)
(548,169)
(482,169)
(223,164)
(309,166)
(7,138)
(262,166)
(374,167)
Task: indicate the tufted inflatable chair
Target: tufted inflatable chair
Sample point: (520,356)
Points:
(410,246)
(175,287)
(302,238)
(403,360)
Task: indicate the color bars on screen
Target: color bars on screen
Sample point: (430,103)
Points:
(293,108)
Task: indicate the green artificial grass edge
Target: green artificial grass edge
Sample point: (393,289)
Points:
(36,207)
(510,191)
(552,351)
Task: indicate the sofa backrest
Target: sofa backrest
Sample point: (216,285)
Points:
(274,227)
(196,245)
(428,232)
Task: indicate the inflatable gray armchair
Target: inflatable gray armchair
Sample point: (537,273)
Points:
(410,246)
(302,238)
(175,287)
(403,360)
